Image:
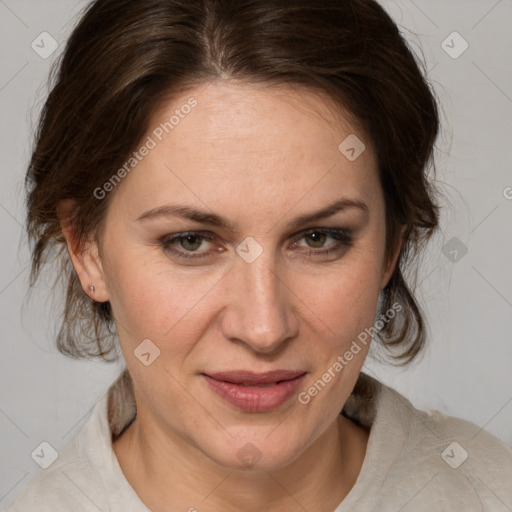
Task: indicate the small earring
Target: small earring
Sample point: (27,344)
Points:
(91,288)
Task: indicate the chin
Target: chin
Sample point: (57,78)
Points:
(255,453)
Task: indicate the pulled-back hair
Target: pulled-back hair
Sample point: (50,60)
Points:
(126,57)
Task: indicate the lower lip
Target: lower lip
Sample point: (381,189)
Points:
(256,399)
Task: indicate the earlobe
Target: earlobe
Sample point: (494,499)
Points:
(86,260)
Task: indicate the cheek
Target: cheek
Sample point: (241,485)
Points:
(131,289)
(151,298)
(343,301)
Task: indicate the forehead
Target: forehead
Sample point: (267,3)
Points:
(228,112)
(251,143)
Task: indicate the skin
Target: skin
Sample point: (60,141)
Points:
(260,157)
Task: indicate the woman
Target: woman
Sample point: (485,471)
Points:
(240,187)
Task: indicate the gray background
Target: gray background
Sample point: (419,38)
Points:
(466,370)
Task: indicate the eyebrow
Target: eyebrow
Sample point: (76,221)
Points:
(213,219)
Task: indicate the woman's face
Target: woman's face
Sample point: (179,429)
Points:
(251,287)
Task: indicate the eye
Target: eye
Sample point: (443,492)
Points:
(188,245)
(190,242)
(318,238)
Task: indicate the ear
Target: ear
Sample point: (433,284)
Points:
(389,268)
(84,255)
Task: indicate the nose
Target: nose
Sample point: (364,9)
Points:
(260,311)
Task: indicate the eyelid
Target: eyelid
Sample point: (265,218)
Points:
(209,235)
(328,231)
(343,237)
(206,235)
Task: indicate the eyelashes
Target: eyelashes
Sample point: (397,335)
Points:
(176,244)
(168,244)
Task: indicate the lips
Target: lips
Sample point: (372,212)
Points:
(247,378)
(255,392)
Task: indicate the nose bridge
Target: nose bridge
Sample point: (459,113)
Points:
(260,310)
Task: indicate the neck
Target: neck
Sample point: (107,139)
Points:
(165,469)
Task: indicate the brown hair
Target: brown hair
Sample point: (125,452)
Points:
(125,57)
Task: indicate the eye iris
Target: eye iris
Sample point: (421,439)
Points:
(186,239)
(317,238)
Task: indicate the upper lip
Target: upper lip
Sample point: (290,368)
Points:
(247,377)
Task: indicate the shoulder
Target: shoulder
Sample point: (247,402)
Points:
(445,459)
(86,475)
(76,479)
(463,443)
(68,484)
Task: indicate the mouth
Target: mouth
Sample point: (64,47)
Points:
(255,392)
